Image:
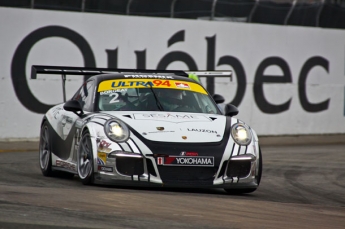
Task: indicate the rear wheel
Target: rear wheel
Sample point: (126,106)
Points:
(85,160)
(45,156)
(45,152)
(258,179)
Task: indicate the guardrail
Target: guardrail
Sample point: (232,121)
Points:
(279,12)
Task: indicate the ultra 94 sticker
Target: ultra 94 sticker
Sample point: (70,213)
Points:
(185,161)
(147,83)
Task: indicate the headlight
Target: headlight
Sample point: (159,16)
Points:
(241,134)
(116,130)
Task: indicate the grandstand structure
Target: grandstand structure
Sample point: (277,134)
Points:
(315,13)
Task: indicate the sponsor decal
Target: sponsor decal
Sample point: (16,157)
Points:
(105,169)
(68,119)
(107,92)
(168,116)
(149,76)
(65,165)
(186,161)
(131,84)
(114,85)
(184,153)
(202,130)
(101,158)
(104,146)
(56,111)
(182,85)
(160,160)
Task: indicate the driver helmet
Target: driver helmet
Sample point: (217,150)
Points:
(171,94)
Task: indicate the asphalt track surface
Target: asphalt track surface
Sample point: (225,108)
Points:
(303,186)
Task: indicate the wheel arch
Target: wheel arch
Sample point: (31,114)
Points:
(44,119)
(92,129)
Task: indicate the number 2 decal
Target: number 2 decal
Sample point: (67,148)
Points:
(114,100)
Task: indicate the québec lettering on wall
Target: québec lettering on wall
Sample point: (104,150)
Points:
(287,80)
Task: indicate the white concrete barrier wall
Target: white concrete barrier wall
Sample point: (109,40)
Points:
(288,80)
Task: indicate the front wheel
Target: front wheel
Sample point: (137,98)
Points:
(85,160)
(248,190)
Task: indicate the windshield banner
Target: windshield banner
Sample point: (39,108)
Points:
(147,83)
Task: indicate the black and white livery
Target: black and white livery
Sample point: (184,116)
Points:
(147,128)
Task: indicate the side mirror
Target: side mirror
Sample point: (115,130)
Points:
(218,98)
(73,106)
(230,110)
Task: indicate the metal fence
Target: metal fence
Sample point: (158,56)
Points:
(317,13)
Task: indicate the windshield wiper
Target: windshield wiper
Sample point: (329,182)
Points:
(159,105)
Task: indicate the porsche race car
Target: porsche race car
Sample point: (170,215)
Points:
(147,128)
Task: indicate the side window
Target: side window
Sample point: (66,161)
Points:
(206,105)
(85,96)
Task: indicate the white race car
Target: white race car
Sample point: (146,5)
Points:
(147,128)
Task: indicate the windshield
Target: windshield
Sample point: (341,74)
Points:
(154,95)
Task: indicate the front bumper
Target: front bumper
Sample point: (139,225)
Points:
(124,168)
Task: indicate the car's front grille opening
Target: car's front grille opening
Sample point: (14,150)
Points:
(222,170)
(239,168)
(187,175)
(150,168)
(130,166)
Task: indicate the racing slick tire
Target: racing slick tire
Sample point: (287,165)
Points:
(248,190)
(85,160)
(45,156)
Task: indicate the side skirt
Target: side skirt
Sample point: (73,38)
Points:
(63,165)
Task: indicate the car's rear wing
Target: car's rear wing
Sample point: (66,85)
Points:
(86,71)
(42,69)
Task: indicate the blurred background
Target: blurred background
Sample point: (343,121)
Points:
(314,13)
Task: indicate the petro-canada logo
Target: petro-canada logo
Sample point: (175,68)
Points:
(184,153)
(182,85)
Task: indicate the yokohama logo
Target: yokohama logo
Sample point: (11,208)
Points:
(185,161)
(194,161)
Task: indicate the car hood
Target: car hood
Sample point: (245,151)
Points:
(175,126)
